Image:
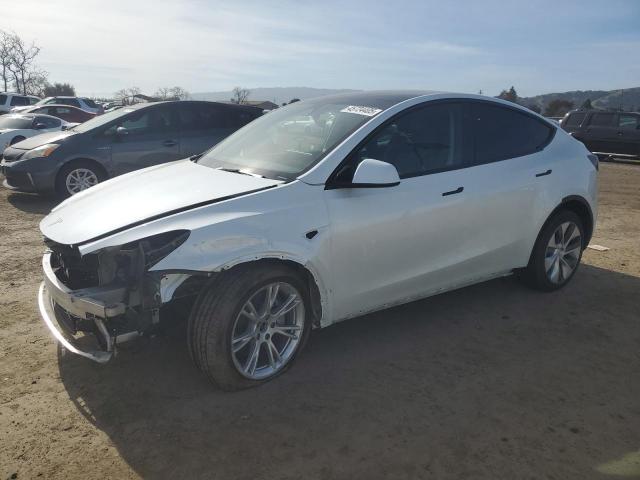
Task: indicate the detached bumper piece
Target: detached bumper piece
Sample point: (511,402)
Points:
(78,319)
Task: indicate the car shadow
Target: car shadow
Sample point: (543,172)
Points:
(32,203)
(490,381)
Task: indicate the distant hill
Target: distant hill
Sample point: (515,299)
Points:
(277,95)
(599,98)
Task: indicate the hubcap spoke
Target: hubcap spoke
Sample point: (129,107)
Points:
(563,252)
(80,179)
(264,339)
(292,302)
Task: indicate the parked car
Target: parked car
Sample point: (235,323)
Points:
(119,142)
(11,100)
(17,127)
(386,198)
(615,133)
(83,103)
(65,112)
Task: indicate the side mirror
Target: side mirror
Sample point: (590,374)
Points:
(40,126)
(121,131)
(375,174)
(64,127)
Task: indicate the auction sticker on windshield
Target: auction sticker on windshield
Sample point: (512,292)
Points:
(366,111)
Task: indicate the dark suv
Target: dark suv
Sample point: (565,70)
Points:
(119,142)
(615,133)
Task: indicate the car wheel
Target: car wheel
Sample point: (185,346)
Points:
(249,325)
(76,177)
(557,252)
(15,140)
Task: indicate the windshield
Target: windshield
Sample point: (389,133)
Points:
(44,101)
(286,142)
(101,120)
(15,122)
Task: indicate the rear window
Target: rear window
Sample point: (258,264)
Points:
(90,102)
(19,101)
(574,119)
(502,133)
(628,121)
(603,120)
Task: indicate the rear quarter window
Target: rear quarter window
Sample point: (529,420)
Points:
(3,99)
(574,119)
(501,133)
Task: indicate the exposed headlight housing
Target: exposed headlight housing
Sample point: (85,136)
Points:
(41,151)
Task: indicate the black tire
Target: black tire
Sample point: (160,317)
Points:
(15,140)
(213,315)
(61,188)
(535,274)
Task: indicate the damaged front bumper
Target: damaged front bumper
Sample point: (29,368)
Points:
(62,309)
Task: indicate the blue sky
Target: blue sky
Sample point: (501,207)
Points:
(538,46)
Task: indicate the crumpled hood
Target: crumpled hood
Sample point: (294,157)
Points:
(143,195)
(42,139)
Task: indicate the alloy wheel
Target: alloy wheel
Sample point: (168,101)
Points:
(80,179)
(267,331)
(563,252)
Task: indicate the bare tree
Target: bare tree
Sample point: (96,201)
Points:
(21,63)
(163,93)
(180,93)
(240,95)
(175,93)
(5,58)
(121,96)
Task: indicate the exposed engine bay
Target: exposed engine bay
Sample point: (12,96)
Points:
(111,293)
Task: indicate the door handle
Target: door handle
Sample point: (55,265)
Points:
(542,174)
(169,143)
(453,192)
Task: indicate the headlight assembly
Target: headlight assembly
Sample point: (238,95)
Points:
(42,151)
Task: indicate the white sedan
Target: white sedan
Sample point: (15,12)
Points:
(381,199)
(17,127)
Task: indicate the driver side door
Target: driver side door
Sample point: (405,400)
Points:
(392,244)
(150,137)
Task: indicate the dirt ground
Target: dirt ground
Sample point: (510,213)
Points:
(494,381)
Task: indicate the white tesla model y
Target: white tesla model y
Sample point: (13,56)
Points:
(315,213)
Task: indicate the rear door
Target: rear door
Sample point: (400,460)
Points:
(50,124)
(509,179)
(629,133)
(601,133)
(151,137)
(202,126)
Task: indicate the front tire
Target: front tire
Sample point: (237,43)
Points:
(557,252)
(249,325)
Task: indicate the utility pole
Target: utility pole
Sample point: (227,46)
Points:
(622,99)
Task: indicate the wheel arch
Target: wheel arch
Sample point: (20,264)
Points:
(577,205)
(79,160)
(317,294)
(580,207)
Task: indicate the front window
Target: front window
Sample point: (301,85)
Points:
(101,120)
(15,122)
(286,142)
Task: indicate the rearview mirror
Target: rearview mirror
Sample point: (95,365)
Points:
(375,174)
(40,126)
(122,131)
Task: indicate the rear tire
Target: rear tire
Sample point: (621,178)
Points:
(223,335)
(77,176)
(557,253)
